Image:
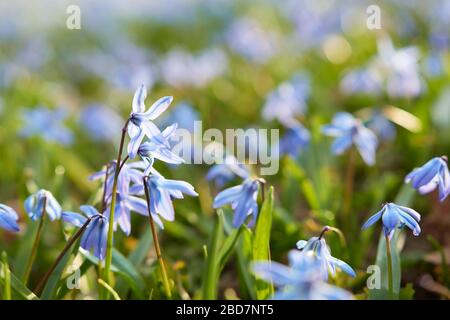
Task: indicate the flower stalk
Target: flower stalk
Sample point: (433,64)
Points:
(7,278)
(162,267)
(109,243)
(37,238)
(389,265)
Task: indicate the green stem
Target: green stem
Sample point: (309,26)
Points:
(35,244)
(349,181)
(389,262)
(7,275)
(162,266)
(72,240)
(109,243)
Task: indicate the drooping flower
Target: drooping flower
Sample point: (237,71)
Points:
(95,235)
(141,121)
(125,203)
(433,174)
(35,203)
(394,216)
(243,200)
(47,124)
(350,131)
(101,123)
(328,263)
(301,280)
(365,80)
(381,126)
(159,148)
(294,141)
(221,173)
(246,30)
(129,186)
(161,192)
(130,173)
(8,218)
(288,101)
(180,68)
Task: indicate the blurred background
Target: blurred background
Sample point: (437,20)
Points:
(65,94)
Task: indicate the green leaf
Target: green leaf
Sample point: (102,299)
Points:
(306,186)
(24,250)
(244,255)
(227,248)
(381,261)
(124,268)
(407,292)
(136,257)
(129,272)
(211,279)
(49,290)
(17,286)
(261,244)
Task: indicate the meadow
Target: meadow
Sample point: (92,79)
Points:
(109,189)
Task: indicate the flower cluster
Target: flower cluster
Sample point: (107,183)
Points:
(303,279)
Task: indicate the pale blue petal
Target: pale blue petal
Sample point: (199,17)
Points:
(158,108)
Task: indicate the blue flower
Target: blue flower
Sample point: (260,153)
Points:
(34,205)
(8,218)
(381,126)
(130,173)
(243,200)
(159,147)
(129,186)
(221,173)
(328,263)
(433,174)
(394,216)
(350,131)
(365,80)
(47,124)
(301,280)
(101,123)
(288,101)
(124,205)
(294,141)
(161,192)
(95,235)
(140,123)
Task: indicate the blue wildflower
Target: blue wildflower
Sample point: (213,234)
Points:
(381,126)
(365,80)
(161,192)
(47,124)
(130,173)
(433,174)
(294,141)
(34,205)
(101,123)
(95,235)
(301,280)
(8,218)
(328,263)
(221,173)
(350,131)
(159,147)
(243,200)
(288,101)
(140,123)
(395,216)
